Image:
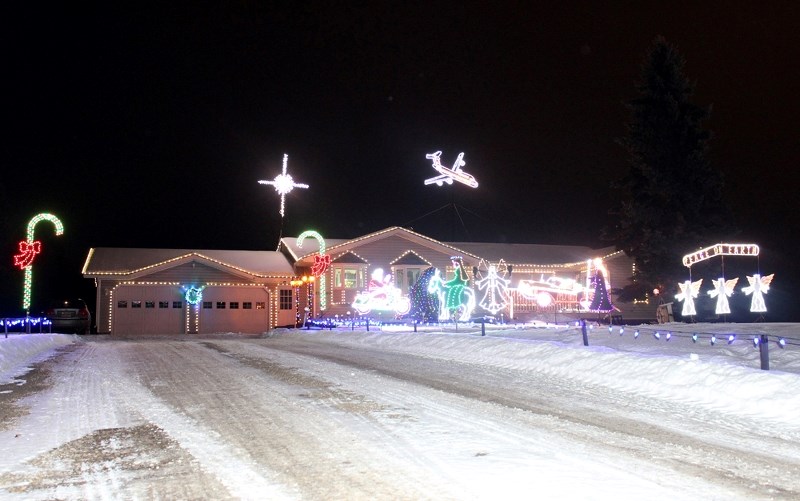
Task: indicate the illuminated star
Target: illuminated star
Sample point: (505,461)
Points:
(284,183)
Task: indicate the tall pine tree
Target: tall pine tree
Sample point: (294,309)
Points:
(671,200)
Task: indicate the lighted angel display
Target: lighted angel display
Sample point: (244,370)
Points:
(689,291)
(758,287)
(495,286)
(722,291)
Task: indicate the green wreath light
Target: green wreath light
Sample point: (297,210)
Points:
(194,295)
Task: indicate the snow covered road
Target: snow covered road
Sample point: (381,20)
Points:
(295,416)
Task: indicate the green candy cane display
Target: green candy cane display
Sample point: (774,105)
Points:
(28,249)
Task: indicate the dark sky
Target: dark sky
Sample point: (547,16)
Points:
(150,125)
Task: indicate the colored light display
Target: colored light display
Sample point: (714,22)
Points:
(194,295)
(758,287)
(283,183)
(495,287)
(382,295)
(424,304)
(321,264)
(456,299)
(601,302)
(29,249)
(449,175)
(720,250)
(689,291)
(723,289)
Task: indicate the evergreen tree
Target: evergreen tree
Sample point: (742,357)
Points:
(671,198)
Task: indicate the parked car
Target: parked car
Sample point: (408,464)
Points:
(70,315)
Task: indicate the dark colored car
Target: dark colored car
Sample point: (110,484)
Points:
(70,315)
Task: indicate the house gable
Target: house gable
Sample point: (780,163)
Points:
(194,272)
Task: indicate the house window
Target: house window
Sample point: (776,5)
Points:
(136,304)
(149,304)
(163,304)
(337,277)
(350,278)
(207,305)
(220,305)
(234,305)
(122,304)
(286,299)
(260,305)
(177,304)
(247,305)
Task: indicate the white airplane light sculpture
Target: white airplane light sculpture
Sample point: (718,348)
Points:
(449,175)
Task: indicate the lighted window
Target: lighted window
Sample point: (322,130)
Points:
(247,305)
(399,279)
(234,305)
(207,305)
(412,274)
(286,299)
(163,304)
(122,304)
(136,304)
(260,305)
(177,304)
(149,304)
(337,277)
(351,279)
(220,305)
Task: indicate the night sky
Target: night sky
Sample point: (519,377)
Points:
(149,126)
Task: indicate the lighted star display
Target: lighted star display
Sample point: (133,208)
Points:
(284,184)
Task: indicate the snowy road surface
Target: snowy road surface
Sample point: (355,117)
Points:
(307,417)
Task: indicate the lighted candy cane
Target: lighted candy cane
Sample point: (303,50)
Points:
(29,249)
(321,263)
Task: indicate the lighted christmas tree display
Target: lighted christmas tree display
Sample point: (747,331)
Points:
(424,304)
(601,302)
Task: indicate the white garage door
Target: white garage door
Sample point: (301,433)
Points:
(140,309)
(234,309)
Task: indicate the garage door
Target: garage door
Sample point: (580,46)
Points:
(234,309)
(139,309)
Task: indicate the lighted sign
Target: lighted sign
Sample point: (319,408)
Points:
(29,248)
(284,183)
(689,291)
(194,295)
(456,299)
(321,263)
(758,287)
(449,175)
(382,295)
(720,250)
(495,287)
(723,289)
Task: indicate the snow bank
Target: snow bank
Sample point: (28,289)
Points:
(716,379)
(18,351)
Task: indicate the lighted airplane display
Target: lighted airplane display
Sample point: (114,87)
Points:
(449,175)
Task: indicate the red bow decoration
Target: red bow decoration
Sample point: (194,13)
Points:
(29,251)
(321,264)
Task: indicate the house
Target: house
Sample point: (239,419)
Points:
(203,291)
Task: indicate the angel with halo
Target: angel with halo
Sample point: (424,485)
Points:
(689,291)
(722,291)
(758,287)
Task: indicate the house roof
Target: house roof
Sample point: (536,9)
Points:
(123,262)
(519,254)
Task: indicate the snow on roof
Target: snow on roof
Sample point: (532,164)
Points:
(118,260)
